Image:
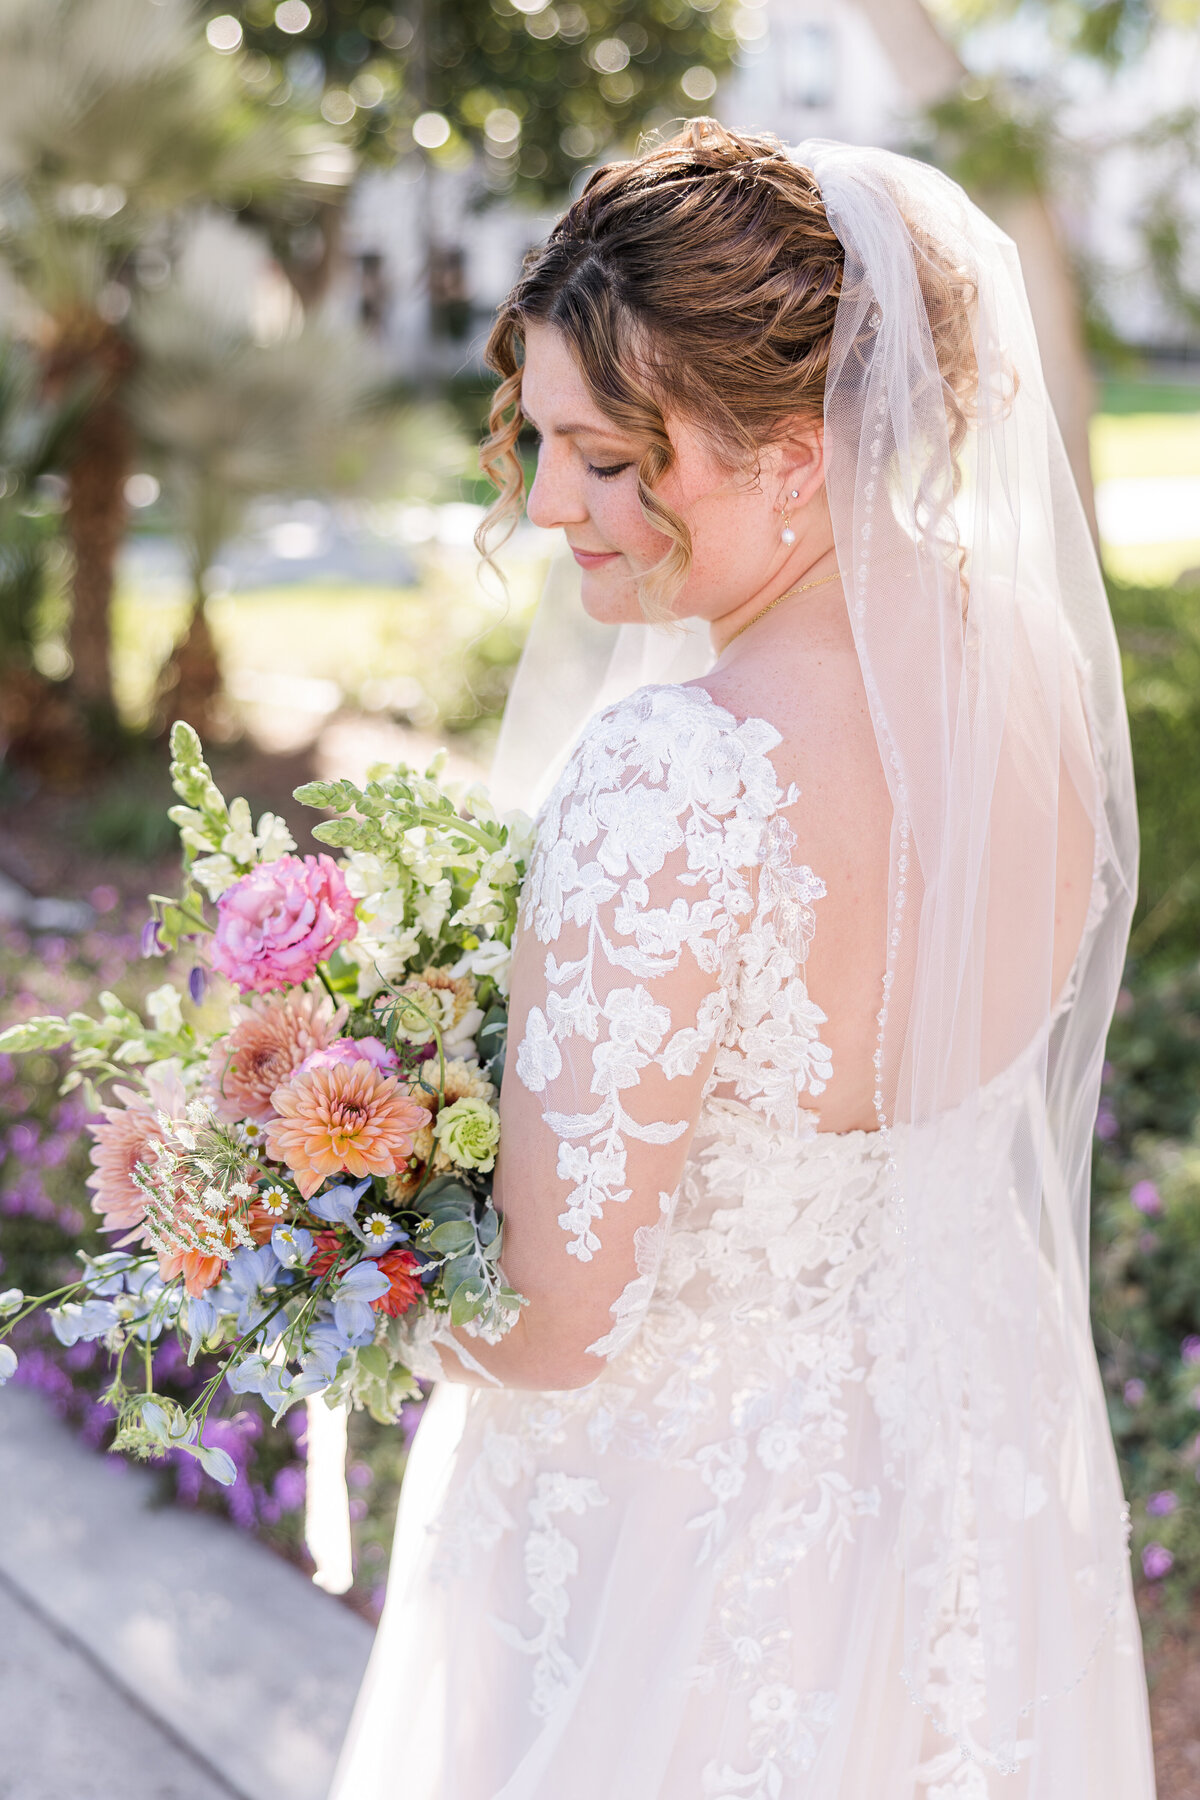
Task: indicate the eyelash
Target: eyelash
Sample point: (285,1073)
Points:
(600,472)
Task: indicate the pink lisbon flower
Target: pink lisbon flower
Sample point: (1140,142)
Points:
(279,921)
(271,1038)
(124,1137)
(349,1117)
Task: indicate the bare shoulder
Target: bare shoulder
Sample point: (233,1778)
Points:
(815,699)
(813,695)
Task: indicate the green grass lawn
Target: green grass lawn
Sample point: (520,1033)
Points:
(444,633)
(1147,430)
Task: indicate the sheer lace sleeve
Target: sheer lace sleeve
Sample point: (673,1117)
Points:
(644,880)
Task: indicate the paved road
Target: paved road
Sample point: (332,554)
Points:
(149,1653)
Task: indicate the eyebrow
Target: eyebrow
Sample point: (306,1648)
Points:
(612,431)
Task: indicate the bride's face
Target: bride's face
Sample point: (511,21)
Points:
(586,485)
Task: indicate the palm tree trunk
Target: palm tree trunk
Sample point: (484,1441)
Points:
(95,522)
(931,70)
(92,354)
(191,681)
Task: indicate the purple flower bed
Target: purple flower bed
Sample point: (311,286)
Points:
(1146,1276)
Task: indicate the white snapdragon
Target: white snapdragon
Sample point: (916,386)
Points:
(521,833)
(239,841)
(432,908)
(489,958)
(478,802)
(382,957)
(425,863)
(485,907)
(163,1006)
(214,874)
(248,846)
(273,839)
(193,828)
(458,1041)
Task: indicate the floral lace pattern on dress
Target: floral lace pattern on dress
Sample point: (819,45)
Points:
(757,1358)
(648,853)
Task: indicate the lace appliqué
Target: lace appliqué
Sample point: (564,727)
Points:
(551,1559)
(647,850)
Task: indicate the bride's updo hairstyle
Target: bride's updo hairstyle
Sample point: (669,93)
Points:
(701,280)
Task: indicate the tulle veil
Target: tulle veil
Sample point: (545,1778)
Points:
(992,672)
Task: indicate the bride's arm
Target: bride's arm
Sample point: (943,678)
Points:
(640,882)
(592,1155)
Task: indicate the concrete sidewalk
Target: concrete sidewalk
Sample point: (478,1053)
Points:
(149,1653)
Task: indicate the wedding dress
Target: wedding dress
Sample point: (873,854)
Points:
(839,1517)
(682,1582)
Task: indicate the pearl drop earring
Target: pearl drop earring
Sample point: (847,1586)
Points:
(787,535)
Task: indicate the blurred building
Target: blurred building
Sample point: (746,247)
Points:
(425,264)
(814,69)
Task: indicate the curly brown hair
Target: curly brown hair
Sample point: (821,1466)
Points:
(701,278)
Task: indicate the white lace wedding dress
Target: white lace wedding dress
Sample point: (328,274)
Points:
(681,1582)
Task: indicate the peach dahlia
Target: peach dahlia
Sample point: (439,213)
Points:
(347,1118)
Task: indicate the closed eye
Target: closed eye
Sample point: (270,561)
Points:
(606,474)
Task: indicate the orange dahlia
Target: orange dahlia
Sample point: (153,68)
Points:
(348,1118)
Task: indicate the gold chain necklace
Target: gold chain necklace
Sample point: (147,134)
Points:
(788,594)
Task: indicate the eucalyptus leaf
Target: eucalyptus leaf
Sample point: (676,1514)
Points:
(452,1238)
(460,1269)
(467,1301)
(488,1228)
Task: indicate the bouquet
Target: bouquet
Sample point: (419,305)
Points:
(302,1187)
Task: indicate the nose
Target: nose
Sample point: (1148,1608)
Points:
(556,496)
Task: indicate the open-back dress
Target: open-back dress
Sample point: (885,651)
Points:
(683,1581)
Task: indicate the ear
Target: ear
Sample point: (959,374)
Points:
(802,464)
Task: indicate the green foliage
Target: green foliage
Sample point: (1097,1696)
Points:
(1108,31)
(126,821)
(115,114)
(1159,631)
(408,822)
(224,419)
(33,437)
(1167,228)
(577,76)
(1146,1265)
(990,139)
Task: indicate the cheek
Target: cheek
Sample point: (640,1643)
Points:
(734,548)
(617,513)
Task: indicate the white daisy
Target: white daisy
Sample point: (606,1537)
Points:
(377,1228)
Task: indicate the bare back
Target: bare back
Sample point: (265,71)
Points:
(801,674)
(803,678)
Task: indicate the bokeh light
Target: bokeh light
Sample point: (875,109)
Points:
(224,33)
(431,130)
(293,16)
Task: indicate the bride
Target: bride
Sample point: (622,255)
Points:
(794,1481)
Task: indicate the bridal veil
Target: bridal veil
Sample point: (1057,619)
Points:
(993,677)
